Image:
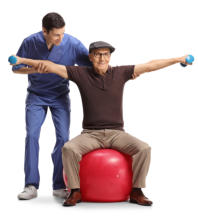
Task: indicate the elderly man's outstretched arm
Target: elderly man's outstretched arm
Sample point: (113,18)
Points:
(157,64)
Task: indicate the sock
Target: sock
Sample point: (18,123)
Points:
(75,190)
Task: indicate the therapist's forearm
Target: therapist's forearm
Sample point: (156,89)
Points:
(25,70)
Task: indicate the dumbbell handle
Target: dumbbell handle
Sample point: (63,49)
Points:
(189,60)
(12,59)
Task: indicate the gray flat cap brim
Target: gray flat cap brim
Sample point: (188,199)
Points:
(100,44)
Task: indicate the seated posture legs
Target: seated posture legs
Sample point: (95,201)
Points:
(115,139)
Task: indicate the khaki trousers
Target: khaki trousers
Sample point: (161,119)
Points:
(89,140)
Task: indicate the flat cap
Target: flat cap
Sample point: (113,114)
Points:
(100,44)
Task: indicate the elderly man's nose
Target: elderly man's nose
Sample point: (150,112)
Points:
(101,57)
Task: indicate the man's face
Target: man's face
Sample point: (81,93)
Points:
(54,36)
(100,58)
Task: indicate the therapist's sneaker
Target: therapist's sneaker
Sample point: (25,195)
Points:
(60,193)
(28,193)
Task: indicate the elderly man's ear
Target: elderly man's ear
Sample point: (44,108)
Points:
(90,56)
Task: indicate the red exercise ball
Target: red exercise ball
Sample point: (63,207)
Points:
(105,176)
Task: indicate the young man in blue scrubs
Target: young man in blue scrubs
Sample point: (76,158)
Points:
(48,92)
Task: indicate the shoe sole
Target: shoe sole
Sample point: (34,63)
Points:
(135,202)
(70,205)
(24,199)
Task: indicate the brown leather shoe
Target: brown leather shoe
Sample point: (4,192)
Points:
(73,199)
(138,197)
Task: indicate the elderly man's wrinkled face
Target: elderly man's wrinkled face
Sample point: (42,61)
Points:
(100,59)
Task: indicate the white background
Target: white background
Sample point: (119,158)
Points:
(159,107)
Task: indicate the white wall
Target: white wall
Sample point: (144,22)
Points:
(160,107)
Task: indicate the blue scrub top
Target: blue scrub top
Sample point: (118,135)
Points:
(50,88)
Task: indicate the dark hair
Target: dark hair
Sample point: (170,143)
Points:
(52,20)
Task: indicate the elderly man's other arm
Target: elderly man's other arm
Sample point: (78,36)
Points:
(156,65)
(43,66)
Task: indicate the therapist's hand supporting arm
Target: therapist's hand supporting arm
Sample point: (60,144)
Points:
(44,66)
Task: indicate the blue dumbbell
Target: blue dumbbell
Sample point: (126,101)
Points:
(12,59)
(189,60)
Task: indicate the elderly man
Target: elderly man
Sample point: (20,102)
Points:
(101,88)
